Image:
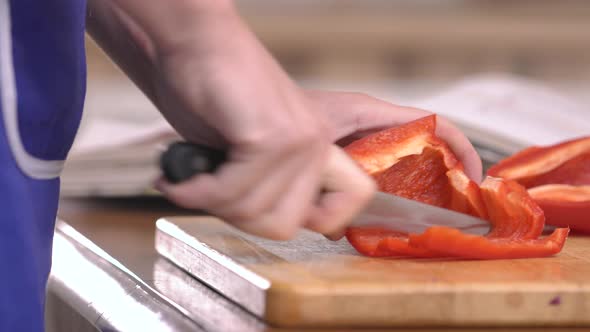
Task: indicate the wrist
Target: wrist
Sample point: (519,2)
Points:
(195,25)
(209,6)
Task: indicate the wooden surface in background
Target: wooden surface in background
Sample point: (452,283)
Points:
(365,39)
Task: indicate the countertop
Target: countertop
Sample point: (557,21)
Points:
(124,229)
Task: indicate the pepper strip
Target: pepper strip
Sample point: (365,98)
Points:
(410,161)
(564,205)
(379,242)
(517,223)
(564,163)
(392,157)
(558,178)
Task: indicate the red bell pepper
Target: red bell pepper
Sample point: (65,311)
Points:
(558,179)
(378,242)
(517,222)
(412,162)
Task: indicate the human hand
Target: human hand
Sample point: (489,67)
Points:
(230,93)
(218,86)
(354,115)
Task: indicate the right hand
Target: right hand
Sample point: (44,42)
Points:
(218,86)
(223,89)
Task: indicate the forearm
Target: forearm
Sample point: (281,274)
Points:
(135,34)
(175,22)
(124,42)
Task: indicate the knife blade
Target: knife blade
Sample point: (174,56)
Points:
(407,216)
(183,160)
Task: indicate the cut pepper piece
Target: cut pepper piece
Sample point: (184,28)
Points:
(564,205)
(392,158)
(378,152)
(517,223)
(451,242)
(564,163)
(410,161)
(511,210)
(378,242)
(557,178)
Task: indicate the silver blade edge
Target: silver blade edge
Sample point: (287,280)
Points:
(408,216)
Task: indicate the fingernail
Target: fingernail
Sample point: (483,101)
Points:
(335,236)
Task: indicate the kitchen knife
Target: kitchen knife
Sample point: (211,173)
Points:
(183,160)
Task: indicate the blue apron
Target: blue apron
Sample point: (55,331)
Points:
(42,85)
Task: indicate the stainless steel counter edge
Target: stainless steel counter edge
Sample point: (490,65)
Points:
(217,270)
(106,293)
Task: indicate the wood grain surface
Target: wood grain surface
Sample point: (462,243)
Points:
(315,282)
(125,229)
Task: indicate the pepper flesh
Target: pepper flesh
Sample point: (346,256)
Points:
(557,178)
(517,223)
(534,162)
(410,161)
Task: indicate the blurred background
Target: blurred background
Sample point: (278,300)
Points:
(417,46)
(443,55)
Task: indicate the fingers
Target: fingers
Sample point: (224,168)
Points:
(295,188)
(271,188)
(266,192)
(462,148)
(355,115)
(289,213)
(346,190)
(285,199)
(232,181)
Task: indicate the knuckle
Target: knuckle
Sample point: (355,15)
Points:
(327,221)
(183,201)
(366,191)
(194,194)
(267,227)
(313,138)
(221,199)
(245,213)
(321,130)
(323,226)
(329,228)
(361,196)
(290,137)
(281,227)
(282,233)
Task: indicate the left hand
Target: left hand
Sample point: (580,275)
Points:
(353,115)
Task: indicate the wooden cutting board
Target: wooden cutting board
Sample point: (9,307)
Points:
(311,281)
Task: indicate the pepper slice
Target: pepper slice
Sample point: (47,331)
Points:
(517,223)
(378,242)
(564,163)
(564,205)
(558,179)
(412,162)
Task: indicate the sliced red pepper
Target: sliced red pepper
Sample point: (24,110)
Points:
(410,161)
(558,178)
(517,223)
(564,205)
(381,150)
(451,242)
(466,196)
(378,242)
(564,163)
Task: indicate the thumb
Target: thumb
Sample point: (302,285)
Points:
(346,190)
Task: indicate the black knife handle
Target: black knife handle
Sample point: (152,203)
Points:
(183,160)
